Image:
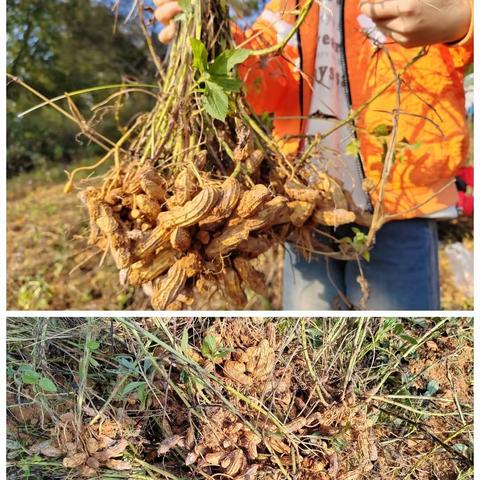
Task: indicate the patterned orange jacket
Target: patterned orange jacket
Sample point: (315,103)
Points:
(432,99)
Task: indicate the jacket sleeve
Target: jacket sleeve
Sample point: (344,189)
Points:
(269,79)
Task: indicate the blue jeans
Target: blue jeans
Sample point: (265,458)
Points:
(402,273)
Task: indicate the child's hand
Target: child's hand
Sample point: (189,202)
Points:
(165,12)
(415,23)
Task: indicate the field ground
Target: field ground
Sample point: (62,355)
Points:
(46,237)
(242,399)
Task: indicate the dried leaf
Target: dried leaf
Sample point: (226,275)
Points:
(169,443)
(46,448)
(191,458)
(113,451)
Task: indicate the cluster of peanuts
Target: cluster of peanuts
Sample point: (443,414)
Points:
(164,236)
(253,446)
(89,448)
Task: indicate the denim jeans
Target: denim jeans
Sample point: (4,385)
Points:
(402,273)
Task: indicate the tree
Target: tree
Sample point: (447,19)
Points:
(58,46)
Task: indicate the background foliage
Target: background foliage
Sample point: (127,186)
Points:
(62,46)
(59,46)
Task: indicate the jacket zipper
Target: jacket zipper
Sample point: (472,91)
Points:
(301,88)
(358,163)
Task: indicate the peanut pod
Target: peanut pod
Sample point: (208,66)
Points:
(193,211)
(148,206)
(330,190)
(120,249)
(300,212)
(106,221)
(166,290)
(234,462)
(144,272)
(253,200)
(254,161)
(253,246)
(231,192)
(227,241)
(158,237)
(274,212)
(334,218)
(185,188)
(117,239)
(298,191)
(153,185)
(180,239)
(90,197)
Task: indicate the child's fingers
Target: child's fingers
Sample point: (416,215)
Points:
(168,33)
(167,11)
(382,9)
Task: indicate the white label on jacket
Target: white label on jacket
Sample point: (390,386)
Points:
(329,99)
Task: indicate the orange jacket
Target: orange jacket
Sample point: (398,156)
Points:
(433,90)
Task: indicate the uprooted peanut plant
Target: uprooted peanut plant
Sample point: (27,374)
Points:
(199,188)
(327,399)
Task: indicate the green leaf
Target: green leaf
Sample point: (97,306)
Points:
(92,345)
(353,148)
(185,5)
(130,388)
(382,130)
(366,256)
(223,352)
(398,329)
(25,368)
(94,363)
(409,339)
(184,376)
(461,448)
(47,385)
(359,241)
(142,395)
(227,60)
(127,363)
(215,101)
(199,55)
(267,120)
(209,346)
(239,55)
(226,83)
(184,342)
(432,388)
(30,377)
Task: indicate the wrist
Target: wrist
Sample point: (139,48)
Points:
(465,32)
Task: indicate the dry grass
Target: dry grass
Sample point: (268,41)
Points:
(286,398)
